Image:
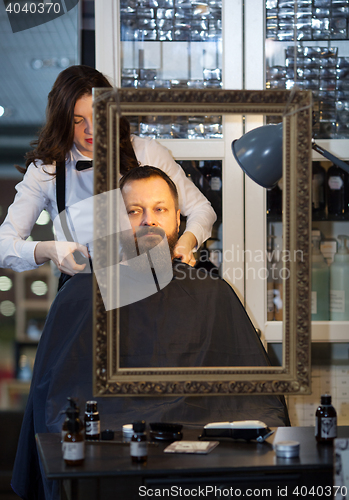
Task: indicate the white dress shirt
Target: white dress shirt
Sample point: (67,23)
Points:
(37,191)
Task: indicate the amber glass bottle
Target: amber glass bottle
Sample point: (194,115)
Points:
(74,441)
(92,422)
(325,421)
(72,406)
(138,444)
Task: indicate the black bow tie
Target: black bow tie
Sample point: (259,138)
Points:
(83,164)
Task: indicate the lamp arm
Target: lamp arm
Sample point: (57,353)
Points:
(340,163)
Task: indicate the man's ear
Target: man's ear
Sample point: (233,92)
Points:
(178,220)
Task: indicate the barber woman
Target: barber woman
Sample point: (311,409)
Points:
(54,164)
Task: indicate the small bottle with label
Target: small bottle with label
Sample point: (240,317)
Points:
(325,421)
(339,282)
(138,444)
(92,422)
(74,440)
(72,407)
(320,282)
(216,178)
(271,269)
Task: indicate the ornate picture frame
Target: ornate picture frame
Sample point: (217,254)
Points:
(293,377)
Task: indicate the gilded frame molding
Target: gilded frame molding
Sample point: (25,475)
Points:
(295,108)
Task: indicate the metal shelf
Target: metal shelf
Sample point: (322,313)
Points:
(321,331)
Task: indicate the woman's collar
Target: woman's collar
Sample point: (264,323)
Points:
(76,155)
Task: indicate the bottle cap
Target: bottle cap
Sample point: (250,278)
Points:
(287,449)
(139,426)
(127,430)
(72,411)
(91,407)
(326,399)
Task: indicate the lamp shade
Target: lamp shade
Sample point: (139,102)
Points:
(259,154)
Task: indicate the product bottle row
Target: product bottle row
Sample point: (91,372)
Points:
(330,283)
(330,194)
(329,277)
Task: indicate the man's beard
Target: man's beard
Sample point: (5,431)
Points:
(150,240)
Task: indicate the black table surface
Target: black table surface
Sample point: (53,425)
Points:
(106,459)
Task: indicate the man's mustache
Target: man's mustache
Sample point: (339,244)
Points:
(146,230)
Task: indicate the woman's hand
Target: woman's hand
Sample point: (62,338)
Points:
(184,248)
(61,253)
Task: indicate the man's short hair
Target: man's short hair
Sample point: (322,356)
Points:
(147,172)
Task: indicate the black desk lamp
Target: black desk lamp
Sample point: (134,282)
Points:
(259,154)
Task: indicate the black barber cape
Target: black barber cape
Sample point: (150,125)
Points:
(195,320)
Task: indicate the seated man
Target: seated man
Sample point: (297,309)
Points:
(196,320)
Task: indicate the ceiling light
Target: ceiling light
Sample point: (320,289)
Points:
(64,62)
(37,63)
(39,287)
(5,284)
(5,112)
(7,308)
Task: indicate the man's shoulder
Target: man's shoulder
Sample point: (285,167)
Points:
(197,278)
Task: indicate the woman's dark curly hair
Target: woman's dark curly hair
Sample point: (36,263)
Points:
(57,135)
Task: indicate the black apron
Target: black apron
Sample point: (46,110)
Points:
(60,197)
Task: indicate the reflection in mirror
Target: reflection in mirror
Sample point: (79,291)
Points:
(163,365)
(275,270)
(207,177)
(174,315)
(177,127)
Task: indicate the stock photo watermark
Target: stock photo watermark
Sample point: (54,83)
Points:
(139,260)
(26,15)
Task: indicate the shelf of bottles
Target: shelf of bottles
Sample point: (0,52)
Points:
(318,61)
(207,177)
(330,251)
(330,263)
(307,46)
(175,44)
